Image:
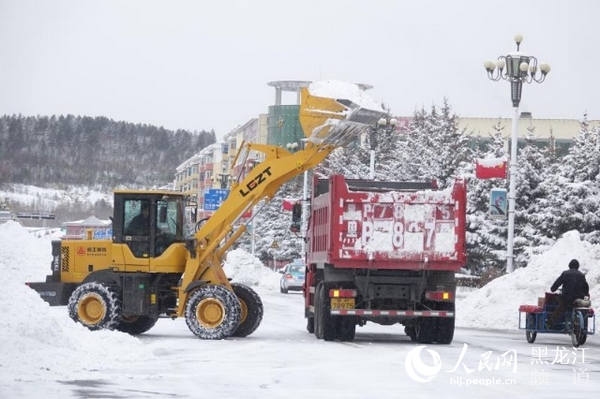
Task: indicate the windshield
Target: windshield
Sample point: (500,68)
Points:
(167,216)
(296,268)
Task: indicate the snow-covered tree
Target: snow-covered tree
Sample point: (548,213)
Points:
(573,191)
(272,225)
(348,161)
(533,167)
(436,148)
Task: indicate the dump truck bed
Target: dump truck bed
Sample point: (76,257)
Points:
(387,225)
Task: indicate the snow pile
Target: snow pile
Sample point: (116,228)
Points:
(496,305)
(344,90)
(40,342)
(246,269)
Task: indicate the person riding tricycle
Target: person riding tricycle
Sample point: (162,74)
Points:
(574,286)
(567,312)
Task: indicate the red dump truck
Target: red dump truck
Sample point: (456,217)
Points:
(384,252)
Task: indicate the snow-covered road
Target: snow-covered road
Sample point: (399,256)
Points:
(282,360)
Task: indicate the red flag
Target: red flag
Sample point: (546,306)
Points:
(247,214)
(491,168)
(288,204)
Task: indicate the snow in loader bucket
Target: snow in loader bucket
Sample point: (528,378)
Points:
(336,113)
(343,132)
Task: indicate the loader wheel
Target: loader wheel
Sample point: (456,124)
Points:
(252,310)
(212,312)
(96,306)
(136,325)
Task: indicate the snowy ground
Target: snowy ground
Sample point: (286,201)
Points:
(44,354)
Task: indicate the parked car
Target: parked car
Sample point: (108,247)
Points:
(293,277)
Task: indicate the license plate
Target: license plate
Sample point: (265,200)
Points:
(342,303)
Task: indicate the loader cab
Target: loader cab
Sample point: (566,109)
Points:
(148,222)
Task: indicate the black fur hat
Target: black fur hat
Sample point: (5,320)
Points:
(574,264)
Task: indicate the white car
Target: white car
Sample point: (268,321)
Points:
(293,277)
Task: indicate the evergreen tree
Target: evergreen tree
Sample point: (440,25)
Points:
(436,149)
(272,225)
(533,166)
(572,192)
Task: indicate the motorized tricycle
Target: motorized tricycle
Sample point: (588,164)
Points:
(578,322)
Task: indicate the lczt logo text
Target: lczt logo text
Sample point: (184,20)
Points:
(257,181)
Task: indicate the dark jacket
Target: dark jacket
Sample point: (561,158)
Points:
(573,284)
(139,226)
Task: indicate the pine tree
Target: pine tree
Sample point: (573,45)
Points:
(573,191)
(436,149)
(533,166)
(272,225)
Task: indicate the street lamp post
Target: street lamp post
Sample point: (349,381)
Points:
(224,180)
(383,124)
(293,147)
(520,68)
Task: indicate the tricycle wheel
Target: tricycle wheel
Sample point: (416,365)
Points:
(530,332)
(578,334)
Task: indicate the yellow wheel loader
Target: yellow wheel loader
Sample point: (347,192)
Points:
(158,269)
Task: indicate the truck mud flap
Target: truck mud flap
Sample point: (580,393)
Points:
(56,294)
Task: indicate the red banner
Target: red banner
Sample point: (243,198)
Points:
(247,214)
(491,168)
(288,204)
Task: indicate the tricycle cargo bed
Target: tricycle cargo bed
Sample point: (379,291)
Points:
(387,225)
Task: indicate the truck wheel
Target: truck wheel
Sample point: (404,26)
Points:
(310,324)
(425,330)
(252,310)
(324,322)
(445,326)
(411,332)
(318,326)
(212,312)
(347,328)
(136,325)
(96,306)
(445,333)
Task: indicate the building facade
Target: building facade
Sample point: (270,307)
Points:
(562,130)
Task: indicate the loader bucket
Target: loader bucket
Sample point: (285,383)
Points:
(335,121)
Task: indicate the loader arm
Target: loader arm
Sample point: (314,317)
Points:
(327,124)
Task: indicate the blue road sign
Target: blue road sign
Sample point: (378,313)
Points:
(102,234)
(213,198)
